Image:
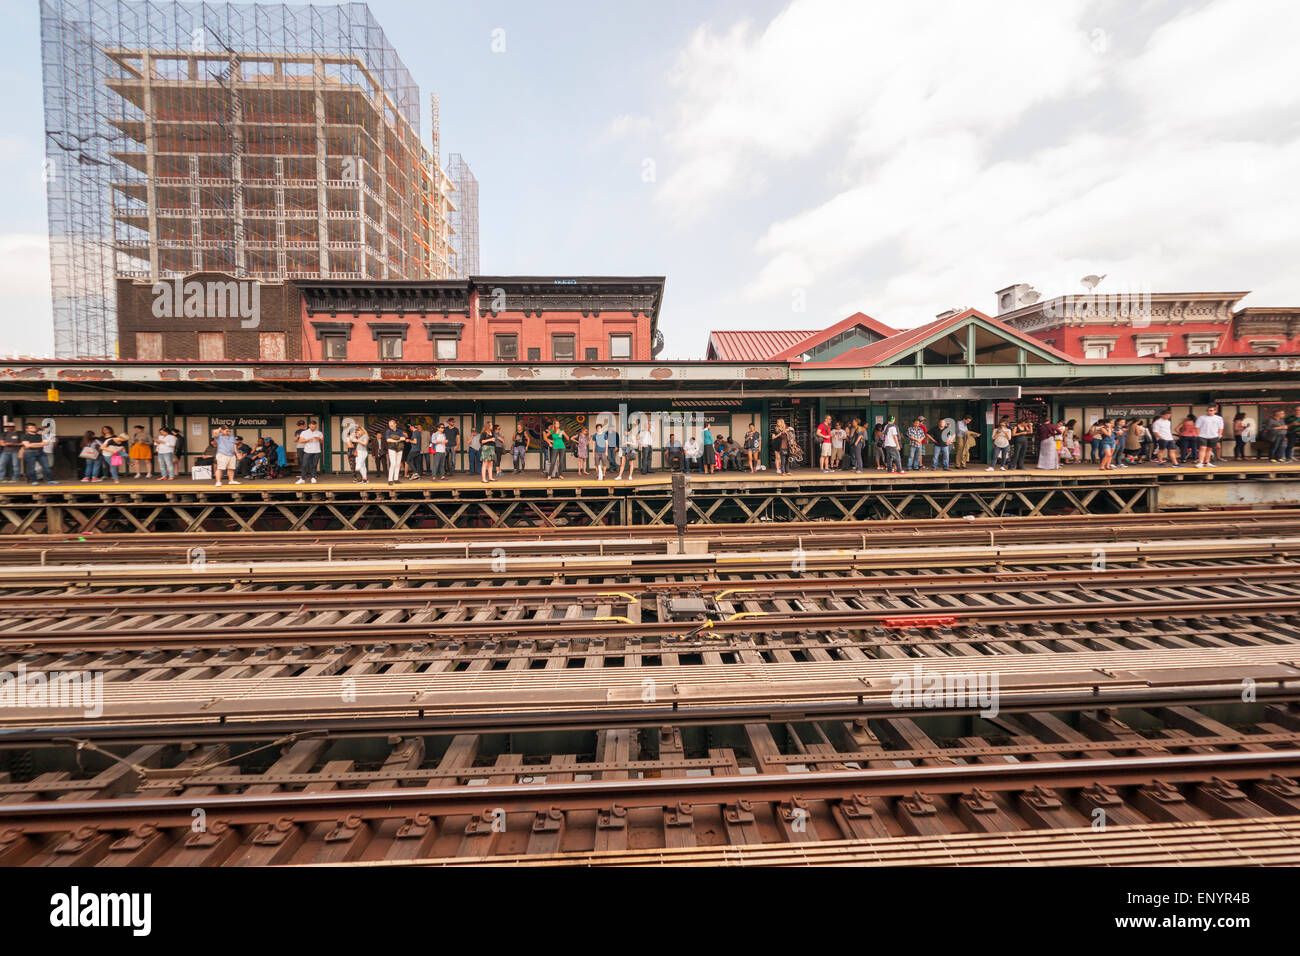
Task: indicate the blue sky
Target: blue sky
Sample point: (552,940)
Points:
(787,163)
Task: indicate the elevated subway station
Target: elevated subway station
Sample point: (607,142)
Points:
(676,398)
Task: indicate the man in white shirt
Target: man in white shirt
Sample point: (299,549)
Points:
(647,443)
(309,451)
(1209,429)
(1166,447)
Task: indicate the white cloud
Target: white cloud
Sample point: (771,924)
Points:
(967,151)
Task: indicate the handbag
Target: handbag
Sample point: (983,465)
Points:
(90,452)
(116,461)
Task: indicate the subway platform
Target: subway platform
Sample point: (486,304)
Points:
(337,503)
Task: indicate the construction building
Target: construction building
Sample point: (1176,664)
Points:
(265,142)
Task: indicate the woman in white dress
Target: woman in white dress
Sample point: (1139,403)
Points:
(1047,434)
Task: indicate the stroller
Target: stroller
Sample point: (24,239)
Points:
(264,467)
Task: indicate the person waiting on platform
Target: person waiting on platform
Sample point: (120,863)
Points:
(857,440)
(487,455)
(1277,444)
(89,453)
(943,444)
(838,434)
(646,443)
(673,453)
(692,451)
(164,445)
(1021,433)
(731,454)
(916,436)
(1162,431)
(600,450)
(1187,439)
(782,446)
(890,441)
(519,446)
(627,455)
(1136,441)
(825,443)
(1105,434)
(413,451)
(475,446)
(1209,432)
(580,451)
(309,451)
(1047,433)
(141,453)
(877,446)
(559,446)
(1239,436)
(358,449)
(707,449)
(965,441)
(438,453)
(394,440)
(753,446)
(227,457)
(244,466)
(1001,446)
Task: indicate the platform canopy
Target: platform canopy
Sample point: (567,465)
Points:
(966,344)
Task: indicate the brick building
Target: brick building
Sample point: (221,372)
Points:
(209,317)
(1122,325)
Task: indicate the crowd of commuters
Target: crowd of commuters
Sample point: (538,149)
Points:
(408,450)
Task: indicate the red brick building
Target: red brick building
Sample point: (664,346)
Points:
(478,320)
(1121,325)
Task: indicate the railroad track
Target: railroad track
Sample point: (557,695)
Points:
(108,549)
(892,787)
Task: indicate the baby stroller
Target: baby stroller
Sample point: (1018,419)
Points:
(263,467)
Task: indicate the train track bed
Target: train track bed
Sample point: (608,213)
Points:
(936,787)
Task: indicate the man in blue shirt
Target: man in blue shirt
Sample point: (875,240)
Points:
(600,442)
(227,455)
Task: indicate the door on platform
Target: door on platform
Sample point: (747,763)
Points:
(797,416)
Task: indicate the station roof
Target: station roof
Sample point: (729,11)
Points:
(749,345)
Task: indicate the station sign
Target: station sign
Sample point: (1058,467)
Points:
(1134,411)
(247,421)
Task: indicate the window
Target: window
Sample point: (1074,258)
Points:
(270,346)
(593,355)
(333,347)
(1096,352)
(507,348)
(212,346)
(148,346)
(562,347)
(534,355)
(1202,344)
(390,346)
(444,350)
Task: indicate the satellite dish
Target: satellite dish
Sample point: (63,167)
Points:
(1091,282)
(1029,297)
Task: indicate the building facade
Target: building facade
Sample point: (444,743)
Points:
(266,141)
(215,317)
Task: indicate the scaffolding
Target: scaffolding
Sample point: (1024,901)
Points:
(268,141)
(464,217)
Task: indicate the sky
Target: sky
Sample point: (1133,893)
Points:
(785,164)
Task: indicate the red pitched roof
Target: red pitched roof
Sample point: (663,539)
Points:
(879,352)
(742,345)
(815,339)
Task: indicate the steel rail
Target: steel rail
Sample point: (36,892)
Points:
(403,802)
(236,635)
(301,599)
